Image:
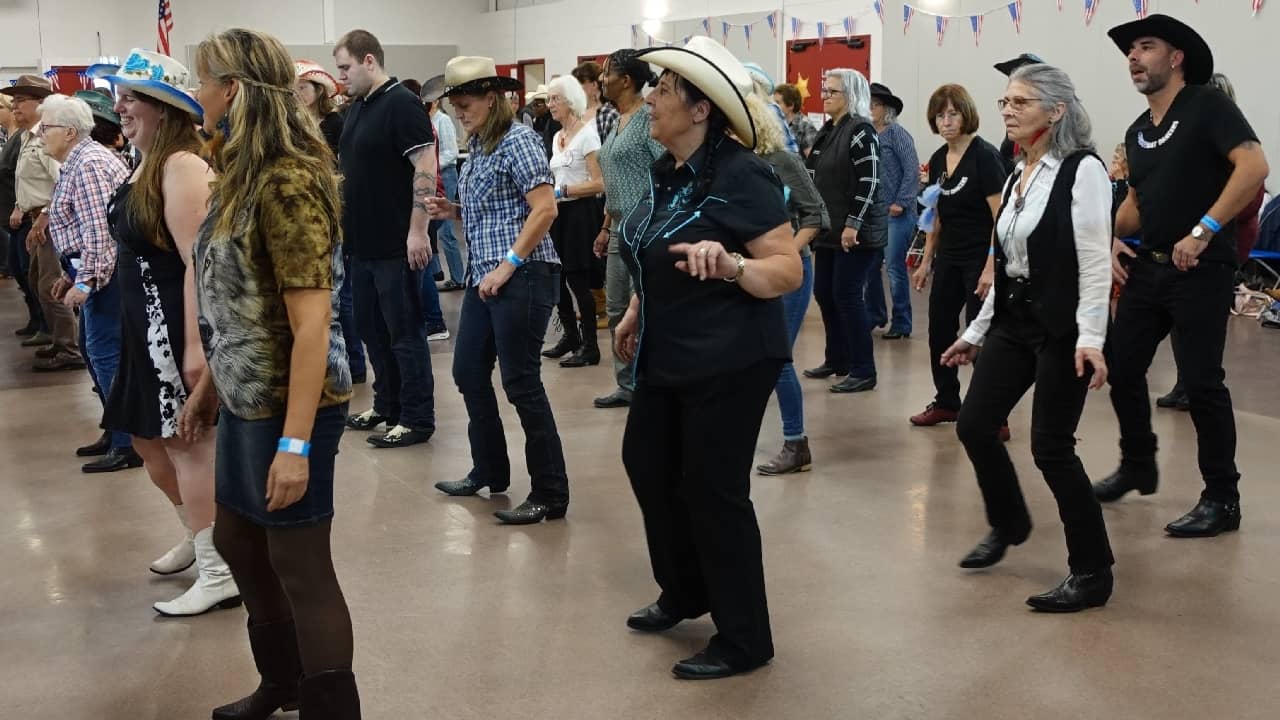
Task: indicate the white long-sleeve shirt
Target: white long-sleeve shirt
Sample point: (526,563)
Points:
(446,138)
(1091,219)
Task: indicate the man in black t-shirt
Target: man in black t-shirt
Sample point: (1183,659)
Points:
(388,164)
(1194,163)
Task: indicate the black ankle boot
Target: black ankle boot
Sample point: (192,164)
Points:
(570,341)
(1079,591)
(330,695)
(1140,475)
(275,652)
(589,353)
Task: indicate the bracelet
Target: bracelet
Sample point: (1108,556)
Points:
(294,446)
(84,288)
(1210,223)
(514,259)
(560,194)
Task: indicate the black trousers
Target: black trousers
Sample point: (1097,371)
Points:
(1196,304)
(688,451)
(1018,354)
(954,283)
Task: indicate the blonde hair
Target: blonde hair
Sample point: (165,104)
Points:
(769,135)
(6,102)
(266,123)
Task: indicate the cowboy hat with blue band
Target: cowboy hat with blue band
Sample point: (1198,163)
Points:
(100,105)
(157,76)
(1197,63)
(711,68)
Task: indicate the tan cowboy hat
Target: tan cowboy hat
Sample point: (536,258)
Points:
(539,94)
(717,73)
(433,89)
(312,72)
(466,75)
(36,86)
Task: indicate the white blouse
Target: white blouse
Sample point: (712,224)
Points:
(1091,219)
(569,164)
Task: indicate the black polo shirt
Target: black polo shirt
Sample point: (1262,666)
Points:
(380,132)
(1179,168)
(962,207)
(692,329)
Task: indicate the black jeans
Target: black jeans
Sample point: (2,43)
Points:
(954,283)
(840,287)
(1016,355)
(1155,300)
(508,329)
(388,308)
(688,452)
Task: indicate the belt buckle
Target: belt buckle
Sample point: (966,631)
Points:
(1160,257)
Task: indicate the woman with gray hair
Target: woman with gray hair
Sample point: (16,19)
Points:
(845,163)
(1043,324)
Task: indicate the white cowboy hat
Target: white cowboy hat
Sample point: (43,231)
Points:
(475,76)
(708,66)
(156,76)
(539,94)
(312,72)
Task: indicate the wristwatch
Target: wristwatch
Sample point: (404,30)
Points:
(742,267)
(1198,232)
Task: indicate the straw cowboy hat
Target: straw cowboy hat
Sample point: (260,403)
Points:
(466,75)
(35,86)
(312,72)
(157,76)
(1197,65)
(100,105)
(433,89)
(539,94)
(886,96)
(708,66)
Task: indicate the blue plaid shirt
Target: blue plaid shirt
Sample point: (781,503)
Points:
(899,168)
(492,189)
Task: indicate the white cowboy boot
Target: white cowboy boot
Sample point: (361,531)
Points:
(182,556)
(214,587)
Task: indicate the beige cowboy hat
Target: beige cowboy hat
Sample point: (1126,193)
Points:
(539,94)
(717,73)
(466,75)
(36,86)
(312,72)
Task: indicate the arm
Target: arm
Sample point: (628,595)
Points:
(309,317)
(1090,216)
(864,165)
(1250,172)
(1128,222)
(988,277)
(921,275)
(542,212)
(97,247)
(909,187)
(186,191)
(592,187)
(773,269)
(418,244)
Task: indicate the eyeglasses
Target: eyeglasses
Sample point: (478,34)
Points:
(1017,103)
(828,92)
(45,128)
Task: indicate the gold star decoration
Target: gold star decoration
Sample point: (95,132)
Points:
(802,84)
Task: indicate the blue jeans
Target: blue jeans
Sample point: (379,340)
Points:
(901,230)
(840,285)
(790,400)
(508,329)
(388,304)
(448,242)
(347,318)
(100,340)
(432,315)
(20,268)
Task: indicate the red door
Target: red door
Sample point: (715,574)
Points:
(513,70)
(68,80)
(807,63)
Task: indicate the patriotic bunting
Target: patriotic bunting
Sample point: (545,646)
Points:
(822,33)
(908,12)
(879,6)
(975,21)
(1140,7)
(941,24)
(1257,7)
(746,31)
(773,22)
(1090,7)
(1015,12)
(849,25)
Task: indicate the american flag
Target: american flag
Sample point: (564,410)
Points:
(1140,7)
(1257,6)
(164,26)
(975,21)
(1090,7)
(879,5)
(940,23)
(908,12)
(1015,12)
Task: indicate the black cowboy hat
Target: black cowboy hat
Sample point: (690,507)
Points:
(1197,66)
(1009,66)
(886,96)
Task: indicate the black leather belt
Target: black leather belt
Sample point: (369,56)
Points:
(1158,257)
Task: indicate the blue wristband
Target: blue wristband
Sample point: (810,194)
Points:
(514,259)
(1210,223)
(84,288)
(294,446)
(991,250)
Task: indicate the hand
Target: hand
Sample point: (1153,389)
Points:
(15,219)
(848,238)
(988,278)
(1092,357)
(198,415)
(286,481)
(1187,252)
(1118,250)
(38,228)
(626,335)
(72,298)
(495,279)
(418,249)
(60,288)
(920,278)
(960,353)
(706,260)
(895,210)
(601,245)
(439,208)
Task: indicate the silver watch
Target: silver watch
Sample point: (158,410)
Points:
(1198,232)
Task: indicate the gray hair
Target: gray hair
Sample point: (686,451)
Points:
(890,115)
(1074,131)
(856,90)
(67,112)
(568,87)
(1220,81)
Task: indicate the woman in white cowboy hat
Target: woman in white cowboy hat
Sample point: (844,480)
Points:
(711,253)
(507,203)
(316,89)
(154,217)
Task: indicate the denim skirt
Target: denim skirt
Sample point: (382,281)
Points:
(246,449)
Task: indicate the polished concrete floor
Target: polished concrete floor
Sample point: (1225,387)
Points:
(457,617)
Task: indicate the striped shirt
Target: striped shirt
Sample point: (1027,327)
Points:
(899,167)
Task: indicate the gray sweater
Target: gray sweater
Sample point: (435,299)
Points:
(806,205)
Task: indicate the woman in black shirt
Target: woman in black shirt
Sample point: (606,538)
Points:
(316,90)
(710,252)
(971,175)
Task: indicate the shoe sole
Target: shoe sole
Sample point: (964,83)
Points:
(1059,610)
(851,392)
(473,493)
(528,522)
(1185,535)
(792,471)
(936,424)
(383,445)
(119,468)
(653,629)
(175,572)
(227,604)
(60,368)
(91,453)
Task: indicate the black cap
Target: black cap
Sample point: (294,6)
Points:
(1008,66)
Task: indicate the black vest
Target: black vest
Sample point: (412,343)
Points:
(832,170)
(1054,283)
